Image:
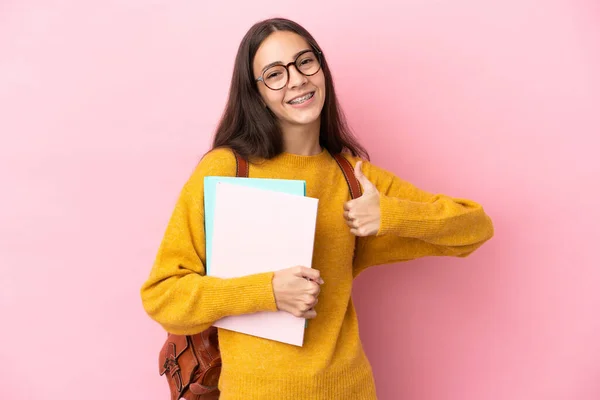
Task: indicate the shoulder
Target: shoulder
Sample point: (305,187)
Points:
(216,162)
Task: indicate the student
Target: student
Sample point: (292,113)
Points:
(283,116)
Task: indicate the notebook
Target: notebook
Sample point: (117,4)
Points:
(259,225)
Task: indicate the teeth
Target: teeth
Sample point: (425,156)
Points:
(302,99)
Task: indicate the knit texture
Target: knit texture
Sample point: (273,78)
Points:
(331,364)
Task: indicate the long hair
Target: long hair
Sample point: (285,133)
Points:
(250,129)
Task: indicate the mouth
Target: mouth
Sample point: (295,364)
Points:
(301,99)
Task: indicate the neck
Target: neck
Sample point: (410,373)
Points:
(302,140)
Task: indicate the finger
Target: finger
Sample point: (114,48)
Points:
(356,232)
(308,301)
(348,205)
(310,314)
(352,224)
(365,183)
(315,289)
(348,215)
(318,281)
(358,170)
(309,273)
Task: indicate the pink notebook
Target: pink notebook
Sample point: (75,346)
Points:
(257,230)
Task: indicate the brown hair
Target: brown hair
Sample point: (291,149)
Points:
(249,128)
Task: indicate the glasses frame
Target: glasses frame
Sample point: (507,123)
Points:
(287,68)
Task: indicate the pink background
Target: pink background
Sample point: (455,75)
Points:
(105,107)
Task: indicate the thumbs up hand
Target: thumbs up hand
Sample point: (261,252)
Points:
(363,214)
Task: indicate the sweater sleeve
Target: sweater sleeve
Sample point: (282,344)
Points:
(416,223)
(178,294)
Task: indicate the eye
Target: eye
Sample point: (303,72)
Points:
(306,61)
(275,73)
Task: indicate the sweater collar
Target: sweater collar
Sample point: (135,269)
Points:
(295,160)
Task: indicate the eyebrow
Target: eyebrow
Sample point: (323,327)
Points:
(281,62)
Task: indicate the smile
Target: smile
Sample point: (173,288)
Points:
(300,100)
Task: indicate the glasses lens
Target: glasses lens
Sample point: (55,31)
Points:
(275,77)
(308,63)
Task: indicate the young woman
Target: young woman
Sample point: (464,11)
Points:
(283,116)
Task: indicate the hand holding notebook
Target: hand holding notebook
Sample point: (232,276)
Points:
(296,290)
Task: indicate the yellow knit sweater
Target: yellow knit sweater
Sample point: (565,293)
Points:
(331,364)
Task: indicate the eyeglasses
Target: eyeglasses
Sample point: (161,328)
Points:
(276,77)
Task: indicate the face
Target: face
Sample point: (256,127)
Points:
(293,104)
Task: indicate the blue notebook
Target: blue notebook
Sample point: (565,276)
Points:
(296,187)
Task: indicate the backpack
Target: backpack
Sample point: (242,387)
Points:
(192,363)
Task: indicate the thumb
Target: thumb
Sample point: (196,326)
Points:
(366,184)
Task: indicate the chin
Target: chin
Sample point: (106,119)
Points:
(303,117)
(308,118)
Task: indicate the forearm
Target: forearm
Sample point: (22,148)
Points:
(440,220)
(189,303)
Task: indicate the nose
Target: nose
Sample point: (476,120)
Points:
(296,78)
